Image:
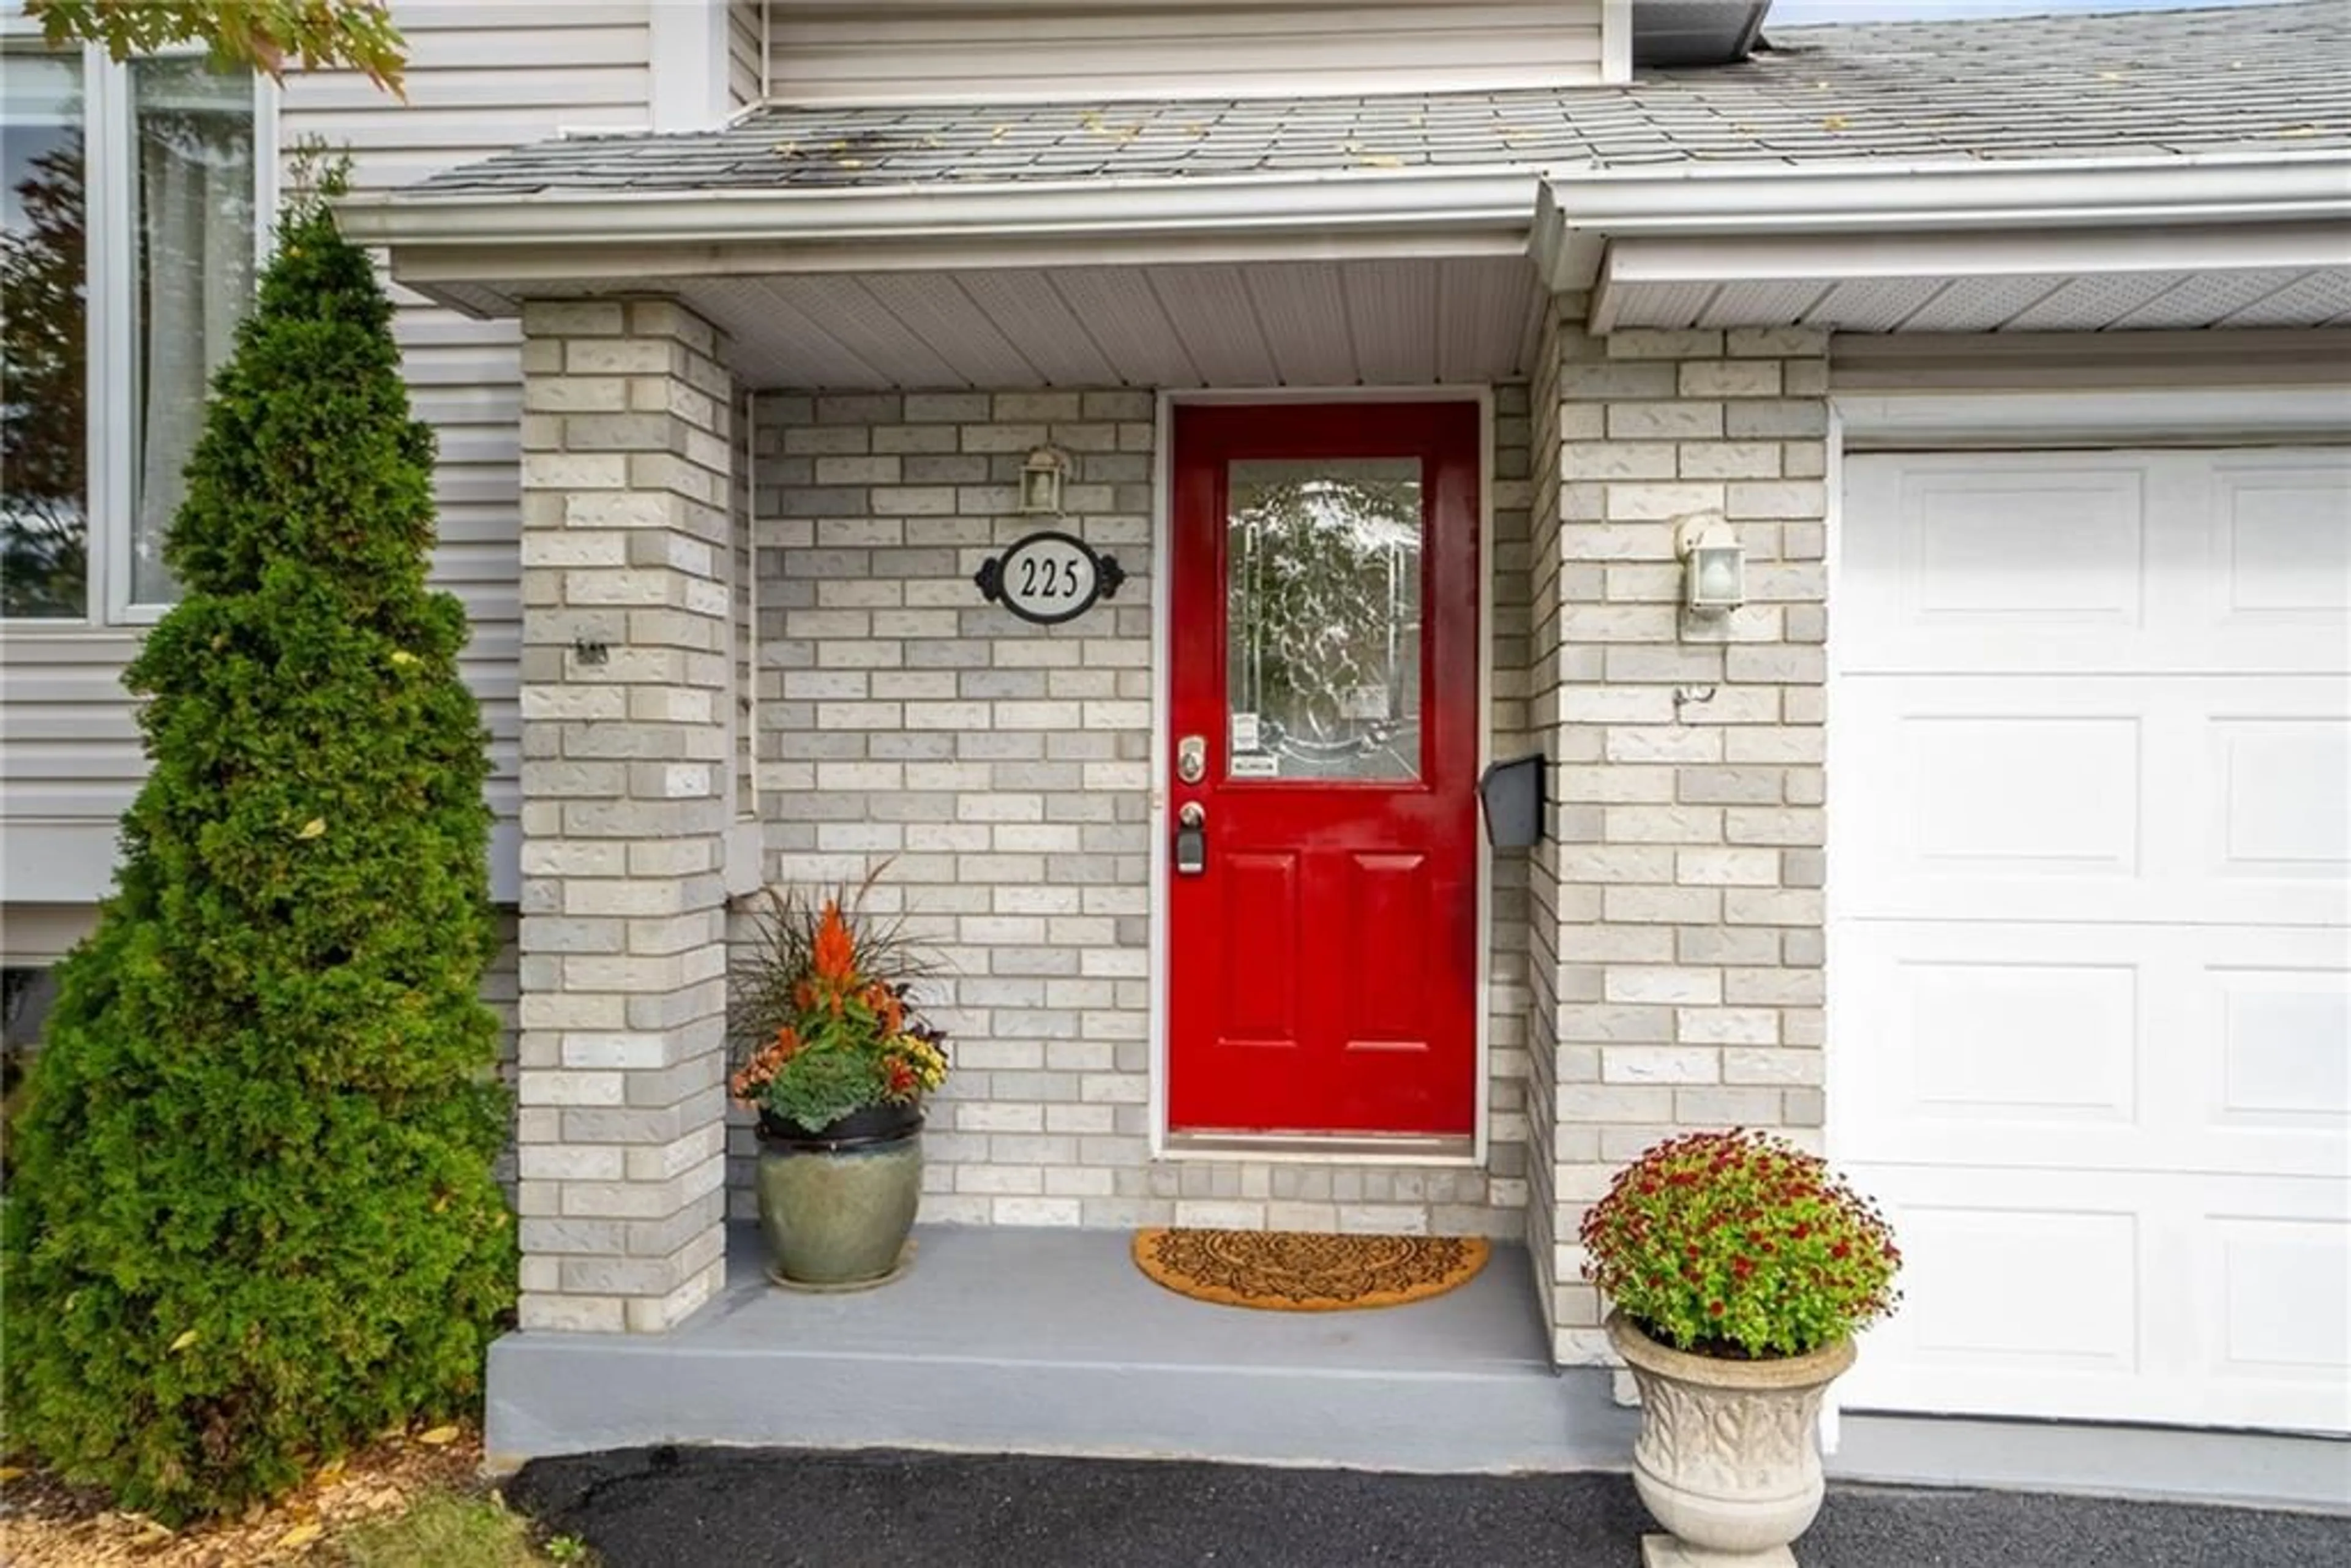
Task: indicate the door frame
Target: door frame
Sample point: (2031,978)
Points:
(1310,1151)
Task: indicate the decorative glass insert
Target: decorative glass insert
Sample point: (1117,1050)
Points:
(44,341)
(1322,619)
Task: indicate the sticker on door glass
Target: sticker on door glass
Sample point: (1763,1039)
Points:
(1261,765)
(1245,733)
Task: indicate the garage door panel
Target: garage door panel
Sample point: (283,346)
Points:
(1965,1255)
(2285,1046)
(2035,793)
(2276,570)
(2278,1300)
(2092,798)
(1972,792)
(1966,1044)
(2175,1298)
(2003,1036)
(2102,562)
(2281,795)
(1938,557)
(2093,1047)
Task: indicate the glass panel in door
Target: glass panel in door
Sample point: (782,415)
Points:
(1322,619)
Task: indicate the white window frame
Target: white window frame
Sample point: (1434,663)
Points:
(109,288)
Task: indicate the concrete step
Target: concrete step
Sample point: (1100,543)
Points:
(1050,1341)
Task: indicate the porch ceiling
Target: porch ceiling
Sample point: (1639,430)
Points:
(1406,321)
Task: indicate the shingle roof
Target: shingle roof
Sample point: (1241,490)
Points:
(2073,86)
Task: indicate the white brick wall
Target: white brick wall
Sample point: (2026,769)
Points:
(1549,1144)
(1683,891)
(626,478)
(1005,770)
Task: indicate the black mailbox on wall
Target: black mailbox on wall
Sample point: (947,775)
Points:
(1512,792)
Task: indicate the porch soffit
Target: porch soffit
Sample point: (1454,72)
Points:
(1399,321)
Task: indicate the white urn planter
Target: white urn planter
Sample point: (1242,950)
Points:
(1727,1459)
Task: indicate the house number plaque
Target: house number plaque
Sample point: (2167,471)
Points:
(1049,577)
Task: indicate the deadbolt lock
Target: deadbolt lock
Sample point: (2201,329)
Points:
(1192,759)
(1191,839)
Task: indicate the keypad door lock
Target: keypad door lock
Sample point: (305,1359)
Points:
(1192,759)
(1191,839)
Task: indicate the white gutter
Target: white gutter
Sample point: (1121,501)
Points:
(1486,199)
(1581,210)
(466,245)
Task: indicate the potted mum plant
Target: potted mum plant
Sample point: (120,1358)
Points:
(837,1065)
(1739,1268)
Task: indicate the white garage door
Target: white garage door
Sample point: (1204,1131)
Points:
(2090,1026)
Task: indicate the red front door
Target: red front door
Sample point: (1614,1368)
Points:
(1323,919)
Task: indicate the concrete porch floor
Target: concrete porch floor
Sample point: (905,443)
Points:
(1050,1341)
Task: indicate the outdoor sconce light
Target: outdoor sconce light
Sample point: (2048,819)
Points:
(1040,483)
(1714,564)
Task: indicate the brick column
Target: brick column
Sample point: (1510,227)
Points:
(1549,1143)
(1685,989)
(626,471)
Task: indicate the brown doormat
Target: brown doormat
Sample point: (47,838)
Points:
(1307,1271)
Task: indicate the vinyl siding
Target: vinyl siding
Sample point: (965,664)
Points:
(482,77)
(746,21)
(69,759)
(1092,50)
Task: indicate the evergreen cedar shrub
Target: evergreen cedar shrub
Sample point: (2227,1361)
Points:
(1740,1244)
(253,1221)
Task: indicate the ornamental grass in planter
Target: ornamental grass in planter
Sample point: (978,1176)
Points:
(837,1065)
(1739,1268)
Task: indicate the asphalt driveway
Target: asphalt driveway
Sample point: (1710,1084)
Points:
(713,1508)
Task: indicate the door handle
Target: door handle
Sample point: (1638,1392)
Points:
(1191,839)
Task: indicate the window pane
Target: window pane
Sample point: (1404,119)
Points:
(1322,619)
(44,368)
(195,226)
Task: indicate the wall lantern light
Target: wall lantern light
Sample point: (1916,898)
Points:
(1042,474)
(1714,564)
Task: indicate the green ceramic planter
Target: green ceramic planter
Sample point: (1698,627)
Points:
(837,1205)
